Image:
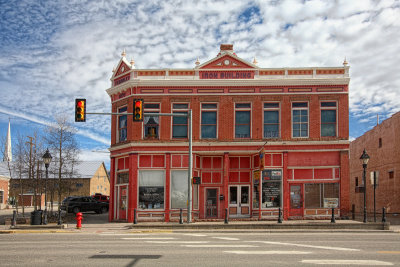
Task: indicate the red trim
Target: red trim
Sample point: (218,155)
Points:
(167,186)
(112,186)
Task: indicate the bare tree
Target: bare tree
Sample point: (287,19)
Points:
(61,140)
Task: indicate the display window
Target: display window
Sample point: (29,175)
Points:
(151,189)
(179,189)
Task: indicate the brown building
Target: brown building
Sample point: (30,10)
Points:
(382,144)
(89,177)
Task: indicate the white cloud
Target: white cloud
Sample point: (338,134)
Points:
(55,52)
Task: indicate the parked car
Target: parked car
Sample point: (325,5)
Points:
(78,204)
(101,197)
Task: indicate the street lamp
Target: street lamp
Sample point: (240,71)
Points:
(364,159)
(46,159)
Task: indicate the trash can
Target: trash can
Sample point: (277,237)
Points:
(36,217)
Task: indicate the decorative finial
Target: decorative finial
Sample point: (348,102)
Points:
(197,62)
(123,54)
(113,69)
(132,63)
(345,62)
(255,62)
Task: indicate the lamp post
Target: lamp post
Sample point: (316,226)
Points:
(364,159)
(46,159)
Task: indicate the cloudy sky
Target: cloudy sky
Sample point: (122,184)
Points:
(52,52)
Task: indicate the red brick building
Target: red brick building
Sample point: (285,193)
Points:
(295,118)
(382,144)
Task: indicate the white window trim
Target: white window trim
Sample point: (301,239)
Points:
(280,121)
(308,119)
(337,117)
(201,116)
(234,119)
(118,123)
(172,119)
(152,110)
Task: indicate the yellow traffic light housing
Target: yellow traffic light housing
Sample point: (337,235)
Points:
(80,110)
(138,110)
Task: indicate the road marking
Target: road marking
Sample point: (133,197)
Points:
(194,234)
(348,262)
(111,234)
(227,238)
(177,242)
(306,246)
(147,238)
(270,252)
(220,246)
(389,252)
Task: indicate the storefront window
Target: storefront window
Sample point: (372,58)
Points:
(151,189)
(196,196)
(271,188)
(325,195)
(179,189)
(123,178)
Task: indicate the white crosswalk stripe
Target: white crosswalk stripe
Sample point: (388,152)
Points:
(268,252)
(226,238)
(348,262)
(220,246)
(178,242)
(306,246)
(147,238)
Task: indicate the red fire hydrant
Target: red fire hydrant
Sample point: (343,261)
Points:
(79,218)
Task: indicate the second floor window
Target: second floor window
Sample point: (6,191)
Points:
(122,124)
(271,120)
(300,119)
(151,123)
(208,120)
(328,118)
(242,120)
(180,124)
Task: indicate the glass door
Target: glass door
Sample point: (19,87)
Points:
(239,200)
(296,200)
(122,202)
(211,203)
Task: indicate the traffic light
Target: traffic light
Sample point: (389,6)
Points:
(137,109)
(80,110)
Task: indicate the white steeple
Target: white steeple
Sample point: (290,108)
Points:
(7,149)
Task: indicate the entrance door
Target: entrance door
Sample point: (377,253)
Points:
(296,200)
(122,202)
(211,203)
(239,201)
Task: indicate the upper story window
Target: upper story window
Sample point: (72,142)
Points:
(271,120)
(151,123)
(122,124)
(328,118)
(208,121)
(300,119)
(180,124)
(242,120)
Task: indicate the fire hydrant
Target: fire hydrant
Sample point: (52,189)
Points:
(79,218)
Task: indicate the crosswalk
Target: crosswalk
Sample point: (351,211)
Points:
(237,246)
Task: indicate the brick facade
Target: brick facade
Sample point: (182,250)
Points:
(144,166)
(382,144)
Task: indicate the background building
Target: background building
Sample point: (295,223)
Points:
(296,119)
(382,144)
(89,177)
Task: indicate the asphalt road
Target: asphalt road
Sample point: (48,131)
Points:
(200,249)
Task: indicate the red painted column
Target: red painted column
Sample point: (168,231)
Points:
(226,180)
(112,188)
(286,191)
(344,183)
(133,185)
(167,186)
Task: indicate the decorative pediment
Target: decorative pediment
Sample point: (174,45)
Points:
(227,61)
(122,68)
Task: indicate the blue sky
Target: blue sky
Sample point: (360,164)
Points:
(52,52)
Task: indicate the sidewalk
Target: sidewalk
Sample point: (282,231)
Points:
(94,223)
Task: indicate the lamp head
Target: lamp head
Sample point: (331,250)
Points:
(47,158)
(364,157)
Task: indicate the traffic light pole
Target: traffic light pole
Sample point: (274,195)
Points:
(190,171)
